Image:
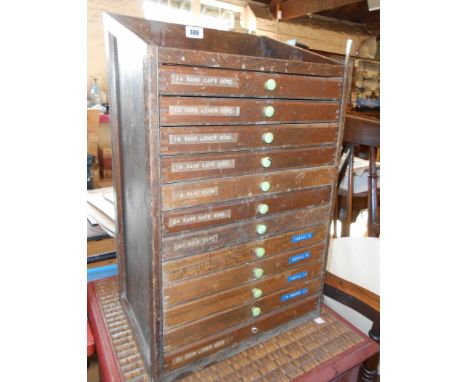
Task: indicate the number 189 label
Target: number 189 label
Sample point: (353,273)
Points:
(193,32)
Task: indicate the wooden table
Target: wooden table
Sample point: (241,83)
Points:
(362,129)
(330,351)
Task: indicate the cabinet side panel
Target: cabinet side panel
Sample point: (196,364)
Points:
(135,186)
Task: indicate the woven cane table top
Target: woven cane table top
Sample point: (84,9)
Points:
(308,349)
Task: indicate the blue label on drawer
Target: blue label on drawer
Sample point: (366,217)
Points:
(297,276)
(299,257)
(297,293)
(301,237)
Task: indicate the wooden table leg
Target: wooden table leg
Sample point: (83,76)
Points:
(346,227)
(373,224)
(369,369)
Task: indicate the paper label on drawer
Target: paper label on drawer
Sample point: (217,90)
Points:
(199,218)
(297,276)
(203,165)
(302,237)
(297,293)
(195,242)
(193,32)
(190,139)
(199,80)
(194,194)
(214,111)
(202,350)
(299,257)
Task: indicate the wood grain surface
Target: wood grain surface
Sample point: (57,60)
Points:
(216,282)
(200,139)
(223,320)
(202,166)
(247,329)
(206,111)
(204,263)
(185,244)
(217,302)
(190,194)
(186,80)
(230,212)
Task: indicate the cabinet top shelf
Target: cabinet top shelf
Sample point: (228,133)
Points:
(174,36)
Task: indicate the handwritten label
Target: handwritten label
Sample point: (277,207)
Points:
(199,80)
(203,165)
(297,276)
(299,257)
(302,237)
(193,32)
(297,293)
(188,139)
(205,110)
(194,194)
(195,242)
(200,218)
(207,348)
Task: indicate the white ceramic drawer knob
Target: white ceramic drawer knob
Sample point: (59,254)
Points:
(257,293)
(262,208)
(269,111)
(268,137)
(259,251)
(266,162)
(261,229)
(258,272)
(270,84)
(256,311)
(265,186)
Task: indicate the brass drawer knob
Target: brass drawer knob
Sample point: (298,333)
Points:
(265,186)
(259,251)
(261,229)
(269,111)
(268,137)
(266,162)
(258,272)
(270,84)
(256,311)
(262,208)
(257,293)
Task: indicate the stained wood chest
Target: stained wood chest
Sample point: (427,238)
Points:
(225,153)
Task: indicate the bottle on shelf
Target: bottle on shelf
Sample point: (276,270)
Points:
(94,94)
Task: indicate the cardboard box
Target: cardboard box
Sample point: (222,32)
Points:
(93,121)
(106,174)
(93,143)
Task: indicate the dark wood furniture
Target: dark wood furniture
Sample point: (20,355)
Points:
(318,352)
(364,302)
(225,153)
(360,129)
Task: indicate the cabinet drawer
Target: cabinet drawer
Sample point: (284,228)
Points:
(185,244)
(205,306)
(249,329)
(207,111)
(230,212)
(184,80)
(201,166)
(202,286)
(199,139)
(190,194)
(223,320)
(204,263)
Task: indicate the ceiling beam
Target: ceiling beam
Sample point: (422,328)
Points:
(291,9)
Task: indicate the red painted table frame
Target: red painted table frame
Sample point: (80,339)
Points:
(342,368)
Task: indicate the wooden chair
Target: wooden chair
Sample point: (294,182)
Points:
(352,279)
(362,130)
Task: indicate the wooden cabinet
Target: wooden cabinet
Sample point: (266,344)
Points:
(225,163)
